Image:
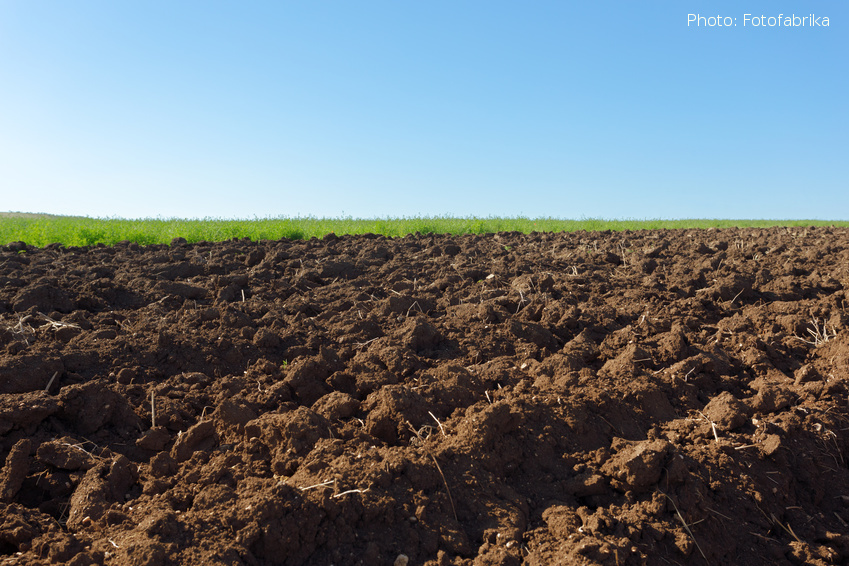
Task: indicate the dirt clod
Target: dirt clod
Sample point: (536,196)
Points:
(15,470)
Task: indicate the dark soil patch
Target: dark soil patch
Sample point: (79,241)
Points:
(665,397)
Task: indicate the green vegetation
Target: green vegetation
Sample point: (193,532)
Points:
(41,230)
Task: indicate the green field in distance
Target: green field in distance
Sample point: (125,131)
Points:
(43,229)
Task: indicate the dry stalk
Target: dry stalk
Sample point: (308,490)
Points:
(349,491)
(49,383)
(203,413)
(787,528)
(731,302)
(766,538)
(610,424)
(686,526)
(442,430)
(818,335)
(438,468)
(19,328)
(322,484)
(23,330)
(79,447)
(712,426)
(522,300)
(56,323)
(415,304)
(715,512)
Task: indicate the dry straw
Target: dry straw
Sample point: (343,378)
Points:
(439,469)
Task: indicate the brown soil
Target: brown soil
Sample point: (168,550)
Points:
(665,397)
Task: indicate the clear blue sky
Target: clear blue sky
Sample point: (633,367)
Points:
(146,108)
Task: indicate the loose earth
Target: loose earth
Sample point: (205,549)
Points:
(648,397)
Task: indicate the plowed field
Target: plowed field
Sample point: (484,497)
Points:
(656,397)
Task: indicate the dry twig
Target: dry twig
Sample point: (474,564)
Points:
(818,335)
(686,526)
(56,323)
(49,383)
(322,484)
(712,426)
(439,469)
(442,430)
(349,491)
(787,528)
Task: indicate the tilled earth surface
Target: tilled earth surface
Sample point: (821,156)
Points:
(657,397)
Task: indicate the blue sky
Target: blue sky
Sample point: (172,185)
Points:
(401,108)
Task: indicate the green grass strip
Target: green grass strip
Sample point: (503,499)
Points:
(41,230)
